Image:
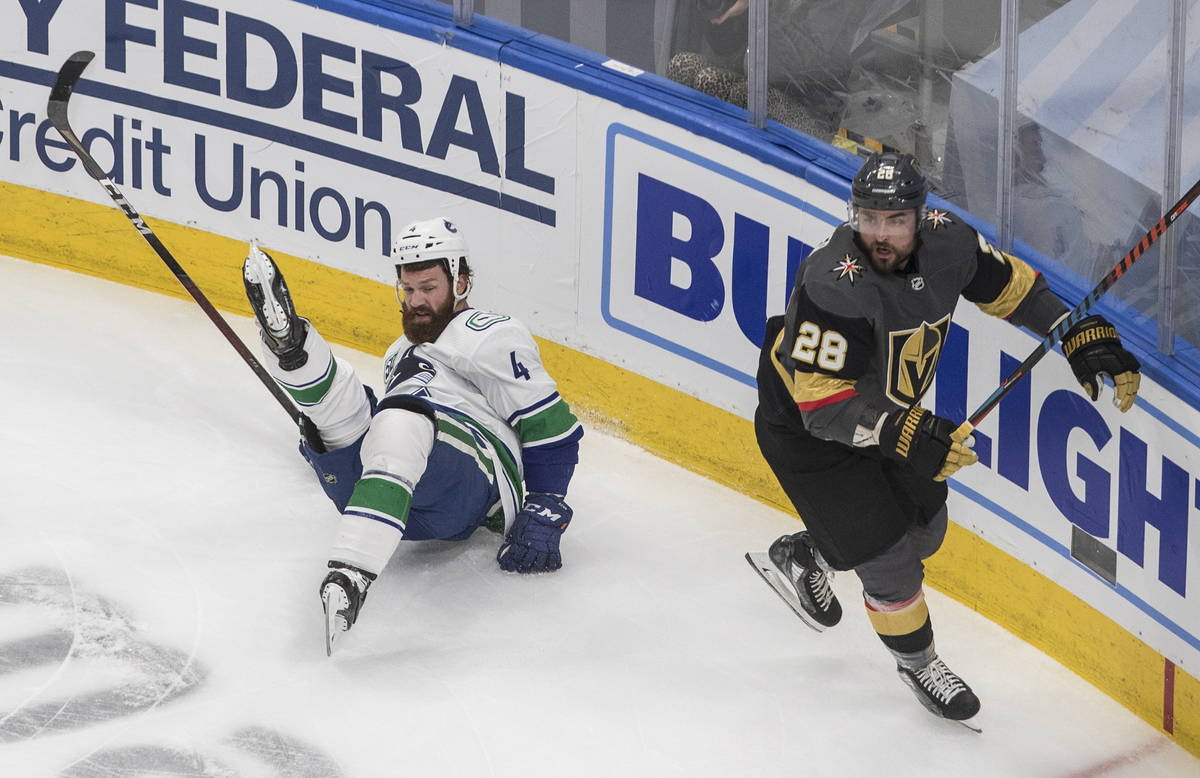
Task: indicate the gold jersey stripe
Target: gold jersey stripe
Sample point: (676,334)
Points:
(784,375)
(1014,292)
(814,387)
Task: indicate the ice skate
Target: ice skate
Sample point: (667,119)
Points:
(282,330)
(343,592)
(792,569)
(794,556)
(940,690)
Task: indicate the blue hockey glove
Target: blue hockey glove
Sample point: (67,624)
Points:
(531,545)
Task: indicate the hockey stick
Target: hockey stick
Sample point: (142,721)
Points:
(1055,335)
(56,109)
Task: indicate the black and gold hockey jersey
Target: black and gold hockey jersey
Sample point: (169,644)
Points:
(857,342)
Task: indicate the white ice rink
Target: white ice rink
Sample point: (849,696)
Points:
(161,544)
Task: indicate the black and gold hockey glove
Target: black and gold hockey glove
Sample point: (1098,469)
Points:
(933,446)
(1094,349)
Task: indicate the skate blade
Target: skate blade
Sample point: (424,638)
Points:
(969,724)
(761,562)
(335,623)
(929,706)
(258,271)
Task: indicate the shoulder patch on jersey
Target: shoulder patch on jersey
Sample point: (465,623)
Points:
(848,267)
(936,217)
(481,320)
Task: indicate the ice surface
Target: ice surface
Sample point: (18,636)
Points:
(163,543)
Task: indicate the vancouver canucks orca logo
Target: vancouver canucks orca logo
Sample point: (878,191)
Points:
(411,366)
(912,360)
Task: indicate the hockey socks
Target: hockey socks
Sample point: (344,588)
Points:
(904,627)
(326,389)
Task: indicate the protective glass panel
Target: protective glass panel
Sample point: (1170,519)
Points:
(869,75)
(1091,141)
(1186,281)
(708,48)
(635,32)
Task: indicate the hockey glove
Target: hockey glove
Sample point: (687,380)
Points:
(930,444)
(1094,349)
(531,545)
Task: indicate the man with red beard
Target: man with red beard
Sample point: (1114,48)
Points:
(470,428)
(839,419)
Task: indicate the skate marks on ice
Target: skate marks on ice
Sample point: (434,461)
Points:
(236,756)
(96,668)
(90,639)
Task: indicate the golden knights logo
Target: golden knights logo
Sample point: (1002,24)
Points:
(848,268)
(912,360)
(937,218)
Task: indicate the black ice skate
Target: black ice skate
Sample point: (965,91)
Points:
(282,330)
(791,568)
(793,556)
(940,690)
(343,592)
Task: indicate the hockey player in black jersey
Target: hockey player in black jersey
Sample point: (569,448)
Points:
(839,419)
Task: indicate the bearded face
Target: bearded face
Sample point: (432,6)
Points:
(425,323)
(428,304)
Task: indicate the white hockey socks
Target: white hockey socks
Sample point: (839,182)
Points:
(395,454)
(327,391)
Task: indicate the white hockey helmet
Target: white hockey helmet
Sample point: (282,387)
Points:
(429,240)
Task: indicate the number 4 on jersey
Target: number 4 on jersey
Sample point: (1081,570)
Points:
(519,370)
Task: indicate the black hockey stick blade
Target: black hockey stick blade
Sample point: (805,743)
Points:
(762,565)
(56,108)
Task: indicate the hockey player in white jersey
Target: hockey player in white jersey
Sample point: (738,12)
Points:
(470,426)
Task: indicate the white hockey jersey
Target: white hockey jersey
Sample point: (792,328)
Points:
(485,379)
